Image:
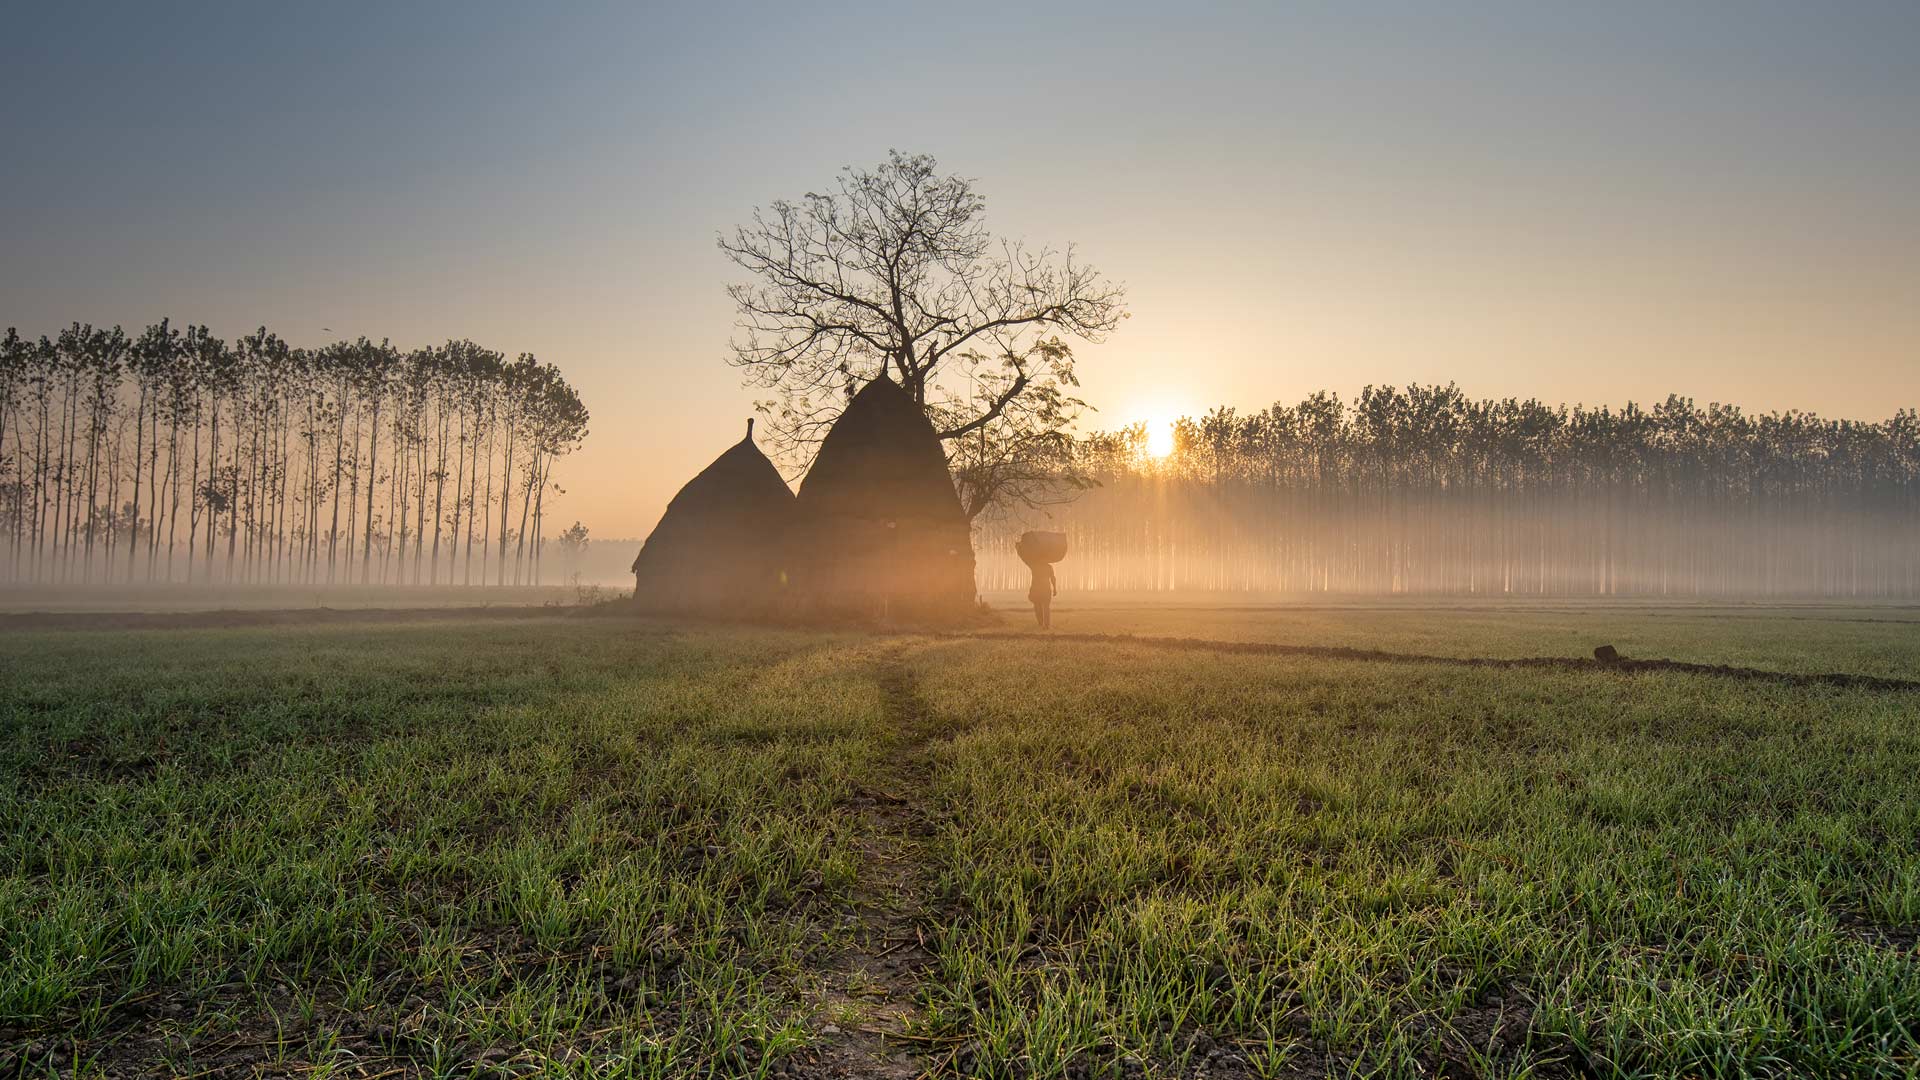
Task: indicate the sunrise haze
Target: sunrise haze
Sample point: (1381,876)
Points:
(1583,205)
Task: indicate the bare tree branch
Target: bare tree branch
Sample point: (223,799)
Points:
(893,273)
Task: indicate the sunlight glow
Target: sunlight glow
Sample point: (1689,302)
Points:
(1159,437)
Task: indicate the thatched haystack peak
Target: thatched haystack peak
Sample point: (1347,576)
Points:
(721,545)
(881,526)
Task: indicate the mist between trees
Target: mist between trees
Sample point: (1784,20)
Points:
(1425,491)
(177,457)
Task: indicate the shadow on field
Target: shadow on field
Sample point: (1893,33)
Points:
(1622,666)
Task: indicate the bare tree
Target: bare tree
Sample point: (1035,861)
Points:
(894,274)
(1021,457)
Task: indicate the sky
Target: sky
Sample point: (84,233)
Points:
(1584,203)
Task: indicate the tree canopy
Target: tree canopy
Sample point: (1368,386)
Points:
(1427,490)
(175,455)
(893,273)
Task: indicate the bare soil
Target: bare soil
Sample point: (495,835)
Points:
(1622,666)
(865,1010)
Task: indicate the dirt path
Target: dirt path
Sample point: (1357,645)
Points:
(866,1005)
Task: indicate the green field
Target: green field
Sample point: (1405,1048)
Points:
(576,845)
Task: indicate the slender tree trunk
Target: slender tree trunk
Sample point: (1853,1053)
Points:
(153,493)
(373,463)
(41,480)
(539,532)
(213,482)
(526,503)
(139,431)
(339,457)
(506,498)
(459,488)
(95,431)
(475,505)
(439,489)
(396,554)
(486,538)
(233,493)
(62,477)
(173,484)
(193,492)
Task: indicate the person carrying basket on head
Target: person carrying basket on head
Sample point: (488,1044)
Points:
(1040,550)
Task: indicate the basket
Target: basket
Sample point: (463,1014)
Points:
(1035,548)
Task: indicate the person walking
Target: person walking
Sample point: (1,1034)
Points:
(1040,550)
(1042,592)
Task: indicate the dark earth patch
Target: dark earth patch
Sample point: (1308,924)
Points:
(865,1010)
(1622,666)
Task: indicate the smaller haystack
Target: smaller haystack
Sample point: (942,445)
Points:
(721,547)
(880,529)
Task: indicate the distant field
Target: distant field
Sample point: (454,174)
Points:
(601,846)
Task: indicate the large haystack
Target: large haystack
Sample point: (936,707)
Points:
(881,530)
(722,545)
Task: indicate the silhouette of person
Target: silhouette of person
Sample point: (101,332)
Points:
(1042,592)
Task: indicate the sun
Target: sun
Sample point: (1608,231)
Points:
(1159,436)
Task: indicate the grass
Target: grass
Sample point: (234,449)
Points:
(1361,867)
(610,847)
(587,848)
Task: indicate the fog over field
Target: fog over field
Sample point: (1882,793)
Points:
(1005,541)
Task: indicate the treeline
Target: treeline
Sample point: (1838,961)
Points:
(1423,490)
(176,456)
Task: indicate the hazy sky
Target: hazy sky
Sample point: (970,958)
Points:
(1594,202)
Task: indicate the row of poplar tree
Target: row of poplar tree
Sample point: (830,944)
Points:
(175,456)
(1424,490)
